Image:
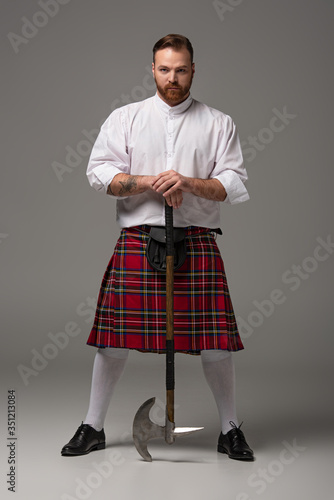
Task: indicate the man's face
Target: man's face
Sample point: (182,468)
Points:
(173,74)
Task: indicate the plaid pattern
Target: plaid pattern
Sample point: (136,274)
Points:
(132,302)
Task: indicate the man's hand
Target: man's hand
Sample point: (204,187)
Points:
(130,185)
(172,184)
(175,199)
(170,181)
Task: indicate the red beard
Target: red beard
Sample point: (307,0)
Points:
(173,95)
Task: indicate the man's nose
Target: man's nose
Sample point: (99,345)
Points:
(172,77)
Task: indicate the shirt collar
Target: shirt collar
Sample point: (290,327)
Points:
(173,110)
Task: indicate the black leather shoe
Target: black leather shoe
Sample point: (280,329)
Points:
(234,444)
(85,440)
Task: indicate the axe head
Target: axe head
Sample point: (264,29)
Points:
(144,429)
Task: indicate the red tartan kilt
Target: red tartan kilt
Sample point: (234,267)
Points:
(132,300)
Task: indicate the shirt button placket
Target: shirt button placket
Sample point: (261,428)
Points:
(170,133)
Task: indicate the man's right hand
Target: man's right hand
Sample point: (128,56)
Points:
(175,199)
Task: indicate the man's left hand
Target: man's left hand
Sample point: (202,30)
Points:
(171,184)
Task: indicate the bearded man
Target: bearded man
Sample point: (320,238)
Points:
(167,148)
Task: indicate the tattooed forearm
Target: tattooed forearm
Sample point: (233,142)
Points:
(128,186)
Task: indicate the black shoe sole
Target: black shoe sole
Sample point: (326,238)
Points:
(100,446)
(221,449)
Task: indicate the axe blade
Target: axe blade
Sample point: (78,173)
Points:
(185,431)
(144,429)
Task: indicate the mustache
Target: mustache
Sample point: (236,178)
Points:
(173,87)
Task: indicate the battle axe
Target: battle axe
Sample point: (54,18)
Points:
(143,427)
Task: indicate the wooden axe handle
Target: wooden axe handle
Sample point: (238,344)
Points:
(170,379)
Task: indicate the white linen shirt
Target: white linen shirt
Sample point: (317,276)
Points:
(149,137)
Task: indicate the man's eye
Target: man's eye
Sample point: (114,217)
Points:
(163,69)
(182,70)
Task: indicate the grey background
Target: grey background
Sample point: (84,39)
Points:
(57,237)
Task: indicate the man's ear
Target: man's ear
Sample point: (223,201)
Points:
(153,67)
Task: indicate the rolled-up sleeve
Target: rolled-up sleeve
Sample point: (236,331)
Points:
(229,168)
(109,155)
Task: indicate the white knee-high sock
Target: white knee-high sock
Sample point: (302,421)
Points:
(219,372)
(108,367)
